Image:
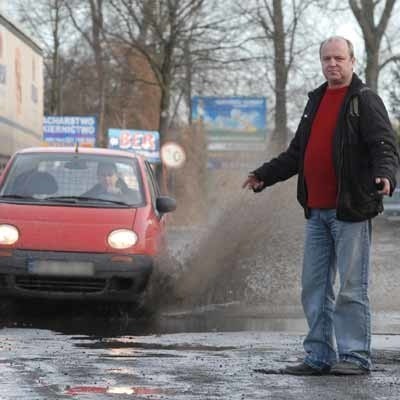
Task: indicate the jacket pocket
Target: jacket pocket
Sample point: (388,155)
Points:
(359,198)
(359,207)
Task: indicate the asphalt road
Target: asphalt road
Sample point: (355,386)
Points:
(127,361)
(210,352)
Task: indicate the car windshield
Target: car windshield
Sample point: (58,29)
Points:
(74,178)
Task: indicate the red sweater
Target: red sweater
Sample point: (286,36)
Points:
(319,171)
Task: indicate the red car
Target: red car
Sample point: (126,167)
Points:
(79,223)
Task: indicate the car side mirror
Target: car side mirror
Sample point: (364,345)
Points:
(165,204)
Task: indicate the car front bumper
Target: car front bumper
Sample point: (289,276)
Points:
(75,276)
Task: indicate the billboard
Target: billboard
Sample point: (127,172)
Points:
(21,90)
(145,143)
(228,119)
(69,129)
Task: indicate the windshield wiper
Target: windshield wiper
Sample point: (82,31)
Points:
(67,198)
(17,196)
(83,198)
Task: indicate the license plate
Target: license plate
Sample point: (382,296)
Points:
(61,268)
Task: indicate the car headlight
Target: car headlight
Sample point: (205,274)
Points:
(8,234)
(122,239)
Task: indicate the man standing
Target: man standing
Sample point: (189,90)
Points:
(345,154)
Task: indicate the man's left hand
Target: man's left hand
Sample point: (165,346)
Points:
(386,186)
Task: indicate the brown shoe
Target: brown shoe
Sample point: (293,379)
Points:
(348,368)
(304,370)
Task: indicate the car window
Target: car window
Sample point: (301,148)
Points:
(153,180)
(45,175)
(154,188)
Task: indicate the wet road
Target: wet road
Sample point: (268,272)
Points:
(60,358)
(203,353)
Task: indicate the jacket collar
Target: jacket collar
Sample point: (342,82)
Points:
(355,85)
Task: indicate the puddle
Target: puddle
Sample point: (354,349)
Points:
(217,322)
(142,355)
(213,318)
(78,390)
(131,344)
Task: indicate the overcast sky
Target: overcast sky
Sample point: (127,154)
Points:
(323,25)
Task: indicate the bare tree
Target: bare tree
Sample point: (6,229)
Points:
(278,23)
(366,13)
(87,18)
(48,22)
(395,91)
(170,35)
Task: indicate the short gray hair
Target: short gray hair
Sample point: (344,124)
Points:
(333,38)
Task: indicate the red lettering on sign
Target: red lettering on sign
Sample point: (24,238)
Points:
(136,140)
(148,142)
(125,140)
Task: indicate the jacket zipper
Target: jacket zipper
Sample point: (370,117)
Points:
(310,118)
(339,154)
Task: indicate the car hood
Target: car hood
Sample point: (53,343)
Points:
(55,228)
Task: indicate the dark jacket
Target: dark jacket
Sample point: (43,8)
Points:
(364,148)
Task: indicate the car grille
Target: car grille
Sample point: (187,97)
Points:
(60,284)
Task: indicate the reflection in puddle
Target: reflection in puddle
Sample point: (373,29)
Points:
(76,390)
(138,354)
(130,343)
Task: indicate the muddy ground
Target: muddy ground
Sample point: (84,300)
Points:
(207,354)
(202,351)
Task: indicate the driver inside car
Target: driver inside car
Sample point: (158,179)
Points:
(109,183)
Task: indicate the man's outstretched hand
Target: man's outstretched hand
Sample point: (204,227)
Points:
(253,183)
(383,185)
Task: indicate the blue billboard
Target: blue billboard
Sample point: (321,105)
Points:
(145,143)
(68,130)
(231,118)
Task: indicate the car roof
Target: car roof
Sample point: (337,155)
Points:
(80,150)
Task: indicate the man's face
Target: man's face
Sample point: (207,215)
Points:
(108,180)
(337,65)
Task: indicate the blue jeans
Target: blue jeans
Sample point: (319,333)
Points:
(338,329)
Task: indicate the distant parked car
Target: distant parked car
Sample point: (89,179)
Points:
(82,224)
(391,205)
